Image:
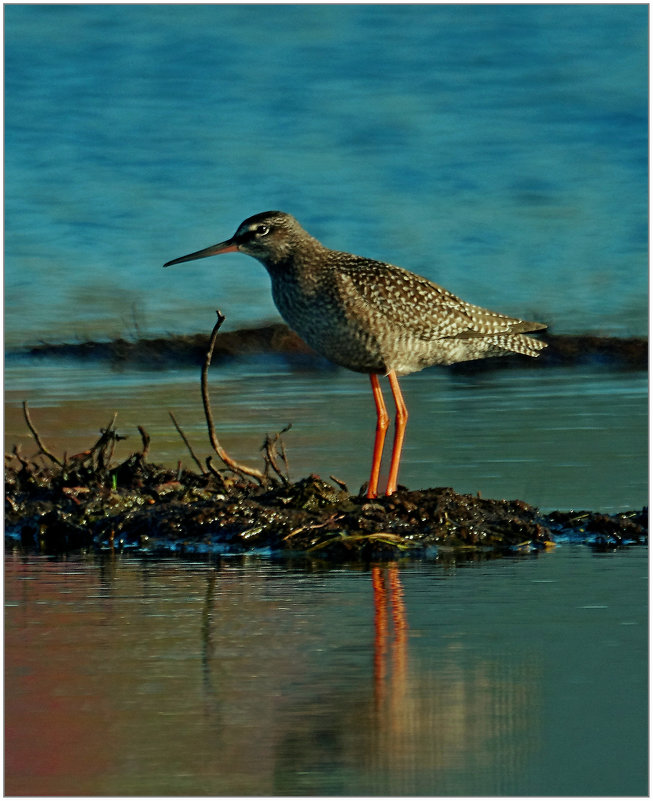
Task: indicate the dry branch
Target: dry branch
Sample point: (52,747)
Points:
(16,452)
(108,439)
(145,437)
(36,436)
(271,456)
(232,464)
(187,443)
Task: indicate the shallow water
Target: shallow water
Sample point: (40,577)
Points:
(499,150)
(556,438)
(248,677)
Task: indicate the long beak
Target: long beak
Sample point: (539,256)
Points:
(223,247)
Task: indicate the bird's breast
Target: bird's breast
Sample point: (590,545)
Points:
(316,311)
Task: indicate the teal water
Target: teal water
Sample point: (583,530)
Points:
(500,150)
(516,677)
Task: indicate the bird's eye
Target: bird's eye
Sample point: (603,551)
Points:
(262,230)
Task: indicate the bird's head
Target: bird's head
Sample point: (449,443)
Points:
(271,237)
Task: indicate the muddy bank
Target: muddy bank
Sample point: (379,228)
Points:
(88,502)
(277,339)
(56,504)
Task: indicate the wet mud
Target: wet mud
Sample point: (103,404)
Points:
(87,502)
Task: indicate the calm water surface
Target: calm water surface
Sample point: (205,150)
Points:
(557,438)
(521,676)
(500,150)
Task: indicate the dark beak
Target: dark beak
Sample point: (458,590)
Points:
(223,247)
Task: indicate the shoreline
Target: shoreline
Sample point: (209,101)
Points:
(623,353)
(88,501)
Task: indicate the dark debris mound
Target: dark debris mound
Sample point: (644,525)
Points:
(87,503)
(629,353)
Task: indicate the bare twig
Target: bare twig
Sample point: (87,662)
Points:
(36,436)
(232,464)
(16,453)
(340,483)
(146,442)
(214,472)
(271,456)
(282,448)
(107,436)
(334,518)
(113,438)
(187,443)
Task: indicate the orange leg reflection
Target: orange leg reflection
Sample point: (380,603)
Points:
(390,633)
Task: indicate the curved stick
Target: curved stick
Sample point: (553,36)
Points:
(232,464)
(36,436)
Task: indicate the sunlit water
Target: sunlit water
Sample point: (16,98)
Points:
(522,676)
(557,438)
(499,150)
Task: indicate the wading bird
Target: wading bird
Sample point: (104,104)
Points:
(370,316)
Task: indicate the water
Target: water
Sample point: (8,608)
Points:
(522,676)
(499,150)
(559,439)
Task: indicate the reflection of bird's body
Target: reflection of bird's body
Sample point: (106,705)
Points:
(370,316)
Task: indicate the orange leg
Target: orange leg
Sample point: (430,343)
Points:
(400,426)
(382,422)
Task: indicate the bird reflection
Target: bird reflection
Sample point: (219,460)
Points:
(289,710)
(390,633)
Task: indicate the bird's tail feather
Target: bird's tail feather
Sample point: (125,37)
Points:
(518,343)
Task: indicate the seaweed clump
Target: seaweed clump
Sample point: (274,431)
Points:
(89,501)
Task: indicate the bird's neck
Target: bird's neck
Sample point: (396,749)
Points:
(303,258)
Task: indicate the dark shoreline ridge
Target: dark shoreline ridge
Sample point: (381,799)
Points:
(87,502)
(277,339)
(57,504)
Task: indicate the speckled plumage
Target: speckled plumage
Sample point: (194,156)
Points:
(367,315)
(370,316)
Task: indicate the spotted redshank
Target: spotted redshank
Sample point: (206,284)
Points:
(370,316)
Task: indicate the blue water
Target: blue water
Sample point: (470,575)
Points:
(499,150)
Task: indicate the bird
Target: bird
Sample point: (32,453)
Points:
(370,316)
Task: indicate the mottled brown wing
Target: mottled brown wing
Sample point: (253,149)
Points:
(419,306)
